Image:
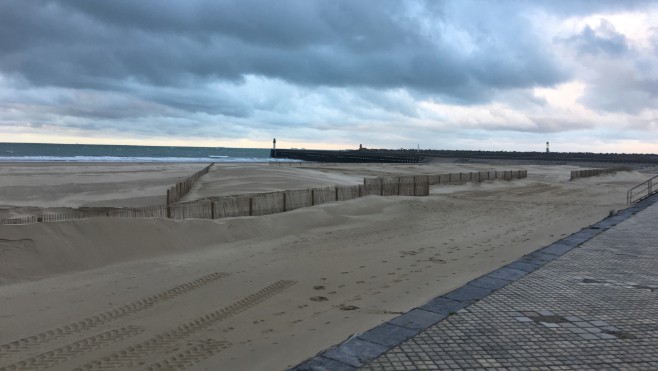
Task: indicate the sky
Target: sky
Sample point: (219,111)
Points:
(465,74)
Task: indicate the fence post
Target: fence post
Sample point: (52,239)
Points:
(284,202)
(212,210)
(251,205)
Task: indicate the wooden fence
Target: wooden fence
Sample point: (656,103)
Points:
(276,202)
(575,174)
(175,193)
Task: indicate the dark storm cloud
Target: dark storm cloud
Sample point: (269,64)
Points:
(336,70)
(390,44)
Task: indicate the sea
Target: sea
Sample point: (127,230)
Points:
(43,152)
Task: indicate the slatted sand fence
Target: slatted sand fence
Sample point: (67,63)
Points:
(298,199)
(19,220)
(372,187)
(344,193)
(139,213)
(107,212)
(268,203)
(231,206)
(421,185)
(200,209)
(406,185)
(390,186)
(575,174)
(275,202)
(324,195)
(180,189)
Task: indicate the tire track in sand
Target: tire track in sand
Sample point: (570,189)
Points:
(111,315)
(131,356)
(205,349)
(65,353)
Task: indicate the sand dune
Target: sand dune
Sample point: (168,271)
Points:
(267,292)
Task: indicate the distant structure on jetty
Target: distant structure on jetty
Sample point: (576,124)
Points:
(363,154)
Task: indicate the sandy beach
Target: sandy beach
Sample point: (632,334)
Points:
(255,293)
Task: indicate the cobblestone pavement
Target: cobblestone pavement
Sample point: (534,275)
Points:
(588,302)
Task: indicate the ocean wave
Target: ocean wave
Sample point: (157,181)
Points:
(135,159)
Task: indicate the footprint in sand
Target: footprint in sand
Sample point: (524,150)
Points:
(318,287)
(319,298)
(348,307)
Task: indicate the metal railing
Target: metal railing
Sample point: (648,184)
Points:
(642,190)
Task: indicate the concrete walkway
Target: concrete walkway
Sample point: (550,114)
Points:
(587,302)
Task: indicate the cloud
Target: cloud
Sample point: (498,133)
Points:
(602,39)
(394,72)
(102,45)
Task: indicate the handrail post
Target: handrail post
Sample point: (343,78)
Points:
(650,186)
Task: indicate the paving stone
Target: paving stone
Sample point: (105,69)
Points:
(355,352)
(417,319)
(557,248)
(468,293)
(523,266)
(509,274)
(578,238)
(490,283)
(323,364)
(538,258)
(445,306)
(388,335)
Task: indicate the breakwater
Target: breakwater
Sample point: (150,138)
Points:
(356,156)
(414,156)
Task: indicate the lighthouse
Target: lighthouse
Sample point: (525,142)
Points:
(547,150)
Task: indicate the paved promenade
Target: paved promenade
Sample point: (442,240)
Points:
(587,302)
